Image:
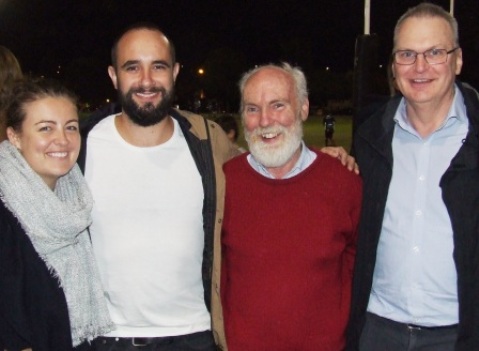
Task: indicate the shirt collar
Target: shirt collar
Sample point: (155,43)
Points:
(457,111)
(305,159)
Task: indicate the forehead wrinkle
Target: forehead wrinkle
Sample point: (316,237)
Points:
(424,33)
(144,44)
(276,87)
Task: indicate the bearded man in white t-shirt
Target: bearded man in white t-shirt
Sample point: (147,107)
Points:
(155,174)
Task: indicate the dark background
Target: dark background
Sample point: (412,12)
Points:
(71,40)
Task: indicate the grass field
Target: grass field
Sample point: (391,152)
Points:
(314,131)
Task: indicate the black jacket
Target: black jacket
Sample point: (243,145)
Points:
(460,191)
(33,307)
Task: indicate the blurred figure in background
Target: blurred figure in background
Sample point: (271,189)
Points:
(230,126)
(10,71)
(329,122)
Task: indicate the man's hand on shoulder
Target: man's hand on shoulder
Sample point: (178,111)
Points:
(342,155)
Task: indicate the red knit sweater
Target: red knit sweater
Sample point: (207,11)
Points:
(288,252)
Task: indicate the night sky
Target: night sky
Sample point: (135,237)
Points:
(48,35)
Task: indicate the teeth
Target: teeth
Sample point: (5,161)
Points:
(146,94)
(269,135)
(57,154)
(420,80)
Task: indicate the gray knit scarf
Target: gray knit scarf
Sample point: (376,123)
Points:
(56,223)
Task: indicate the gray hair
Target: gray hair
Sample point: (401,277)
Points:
(427,9)
(299,79)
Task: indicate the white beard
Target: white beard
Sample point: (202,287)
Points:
(277,155)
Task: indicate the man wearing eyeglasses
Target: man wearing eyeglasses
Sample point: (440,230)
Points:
(416,283)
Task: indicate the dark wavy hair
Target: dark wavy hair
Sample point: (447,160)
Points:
(31,90)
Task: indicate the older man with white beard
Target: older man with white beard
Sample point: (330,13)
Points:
(289,230)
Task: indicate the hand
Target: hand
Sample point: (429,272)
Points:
(342,155)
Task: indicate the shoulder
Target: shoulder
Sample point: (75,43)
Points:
(341,186)
(182,116)
(387,108)
(203,129)
(378,127)
(196,123)
(87,123)
(236,163)
(7,222)
(24,277)
(331,169)
(471,99)
(468,89)
(14,242)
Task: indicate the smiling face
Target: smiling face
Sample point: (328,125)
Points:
(49,138)
(144,75)
(273,118)
(422,83)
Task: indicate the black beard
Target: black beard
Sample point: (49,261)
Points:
(149,114)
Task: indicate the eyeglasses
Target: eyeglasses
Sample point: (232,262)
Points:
(432,56)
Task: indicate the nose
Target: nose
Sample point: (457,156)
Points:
(265,118)
(61,138)
(146,78)
(421,63)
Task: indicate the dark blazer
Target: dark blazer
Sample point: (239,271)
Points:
(33,307)
(372,148)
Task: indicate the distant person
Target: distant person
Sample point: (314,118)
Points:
(230,127)
(10,72)
(155,173)
(329,122)
(289,230)
(51,298)
(416,279)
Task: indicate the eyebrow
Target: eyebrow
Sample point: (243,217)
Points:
(435,46)
(269,102)
(53,122)
(135,62)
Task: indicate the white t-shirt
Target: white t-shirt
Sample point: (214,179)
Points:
(147,233)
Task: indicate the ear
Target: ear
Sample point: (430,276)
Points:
(176,70)
(458,55)
(305,110)
(113,77)
(14,138)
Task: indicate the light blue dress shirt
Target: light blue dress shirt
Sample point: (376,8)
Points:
(306,158)
(415,277)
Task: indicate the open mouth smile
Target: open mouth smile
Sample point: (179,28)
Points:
(269,135)
(57,154)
